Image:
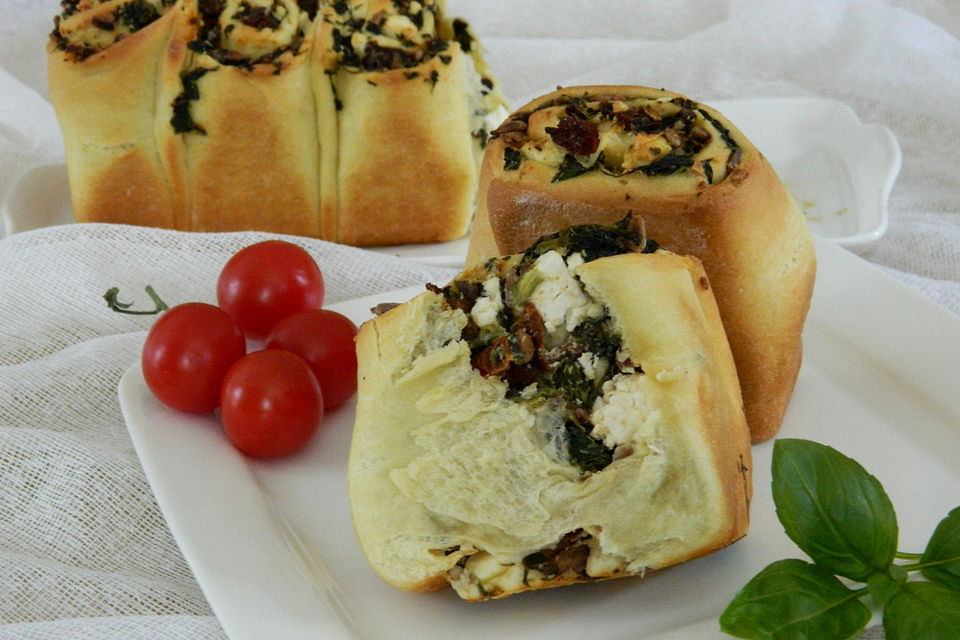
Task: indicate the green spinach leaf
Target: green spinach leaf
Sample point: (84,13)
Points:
(834,510)
(570,167)
(511,159)
(795,599)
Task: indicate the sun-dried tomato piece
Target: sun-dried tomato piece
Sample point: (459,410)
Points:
(495,359)
(579,137)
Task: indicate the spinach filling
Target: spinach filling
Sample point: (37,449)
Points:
(182,121)
(577,132)
(210,34)
(378,57)
(137,14)
(562,371)
(126,19)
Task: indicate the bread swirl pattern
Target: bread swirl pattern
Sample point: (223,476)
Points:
(86,27)
(589,154)
(565,415)
(283,115)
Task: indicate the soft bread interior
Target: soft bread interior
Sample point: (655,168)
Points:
(454,479)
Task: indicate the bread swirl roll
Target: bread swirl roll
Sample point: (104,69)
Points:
(567,415)
(113,159)
(589,154)
(240,144)
(402,88)
(350,121)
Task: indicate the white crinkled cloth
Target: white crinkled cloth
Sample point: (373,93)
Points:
(84,551)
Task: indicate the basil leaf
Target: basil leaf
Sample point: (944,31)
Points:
(883,585)
(923,611)
(834,510)
(943,552)
(795,600)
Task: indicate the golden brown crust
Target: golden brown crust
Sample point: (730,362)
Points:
(115,170)
(398,130)
(747,230)
(253,163)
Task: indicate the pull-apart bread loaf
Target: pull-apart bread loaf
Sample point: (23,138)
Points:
(357,121)
(564,415)
(589,154)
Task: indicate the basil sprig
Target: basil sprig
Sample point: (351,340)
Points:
(840,516)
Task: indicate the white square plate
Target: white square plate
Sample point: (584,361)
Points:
(839,170)
(273,548)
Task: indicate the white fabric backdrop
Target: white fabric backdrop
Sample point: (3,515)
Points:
(84,551)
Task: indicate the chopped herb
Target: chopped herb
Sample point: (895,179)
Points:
(137,14)
(344,50)
(594,241)
(70,7)
(461,33)
(436,46)
(665,165)
(416,18)
(434,77)
(724,132)
(571,168)
(511,159)
(310,6)
(586,453)
(707,170)
(337,103)
(181,120)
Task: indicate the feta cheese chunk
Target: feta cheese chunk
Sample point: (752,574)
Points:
(560,297)
(488,305)
(620,414)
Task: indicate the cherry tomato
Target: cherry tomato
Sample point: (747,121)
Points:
(187,353)
(267,281)
(270,404)
(324,339)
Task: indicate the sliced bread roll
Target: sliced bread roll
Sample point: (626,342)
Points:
(564,415)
